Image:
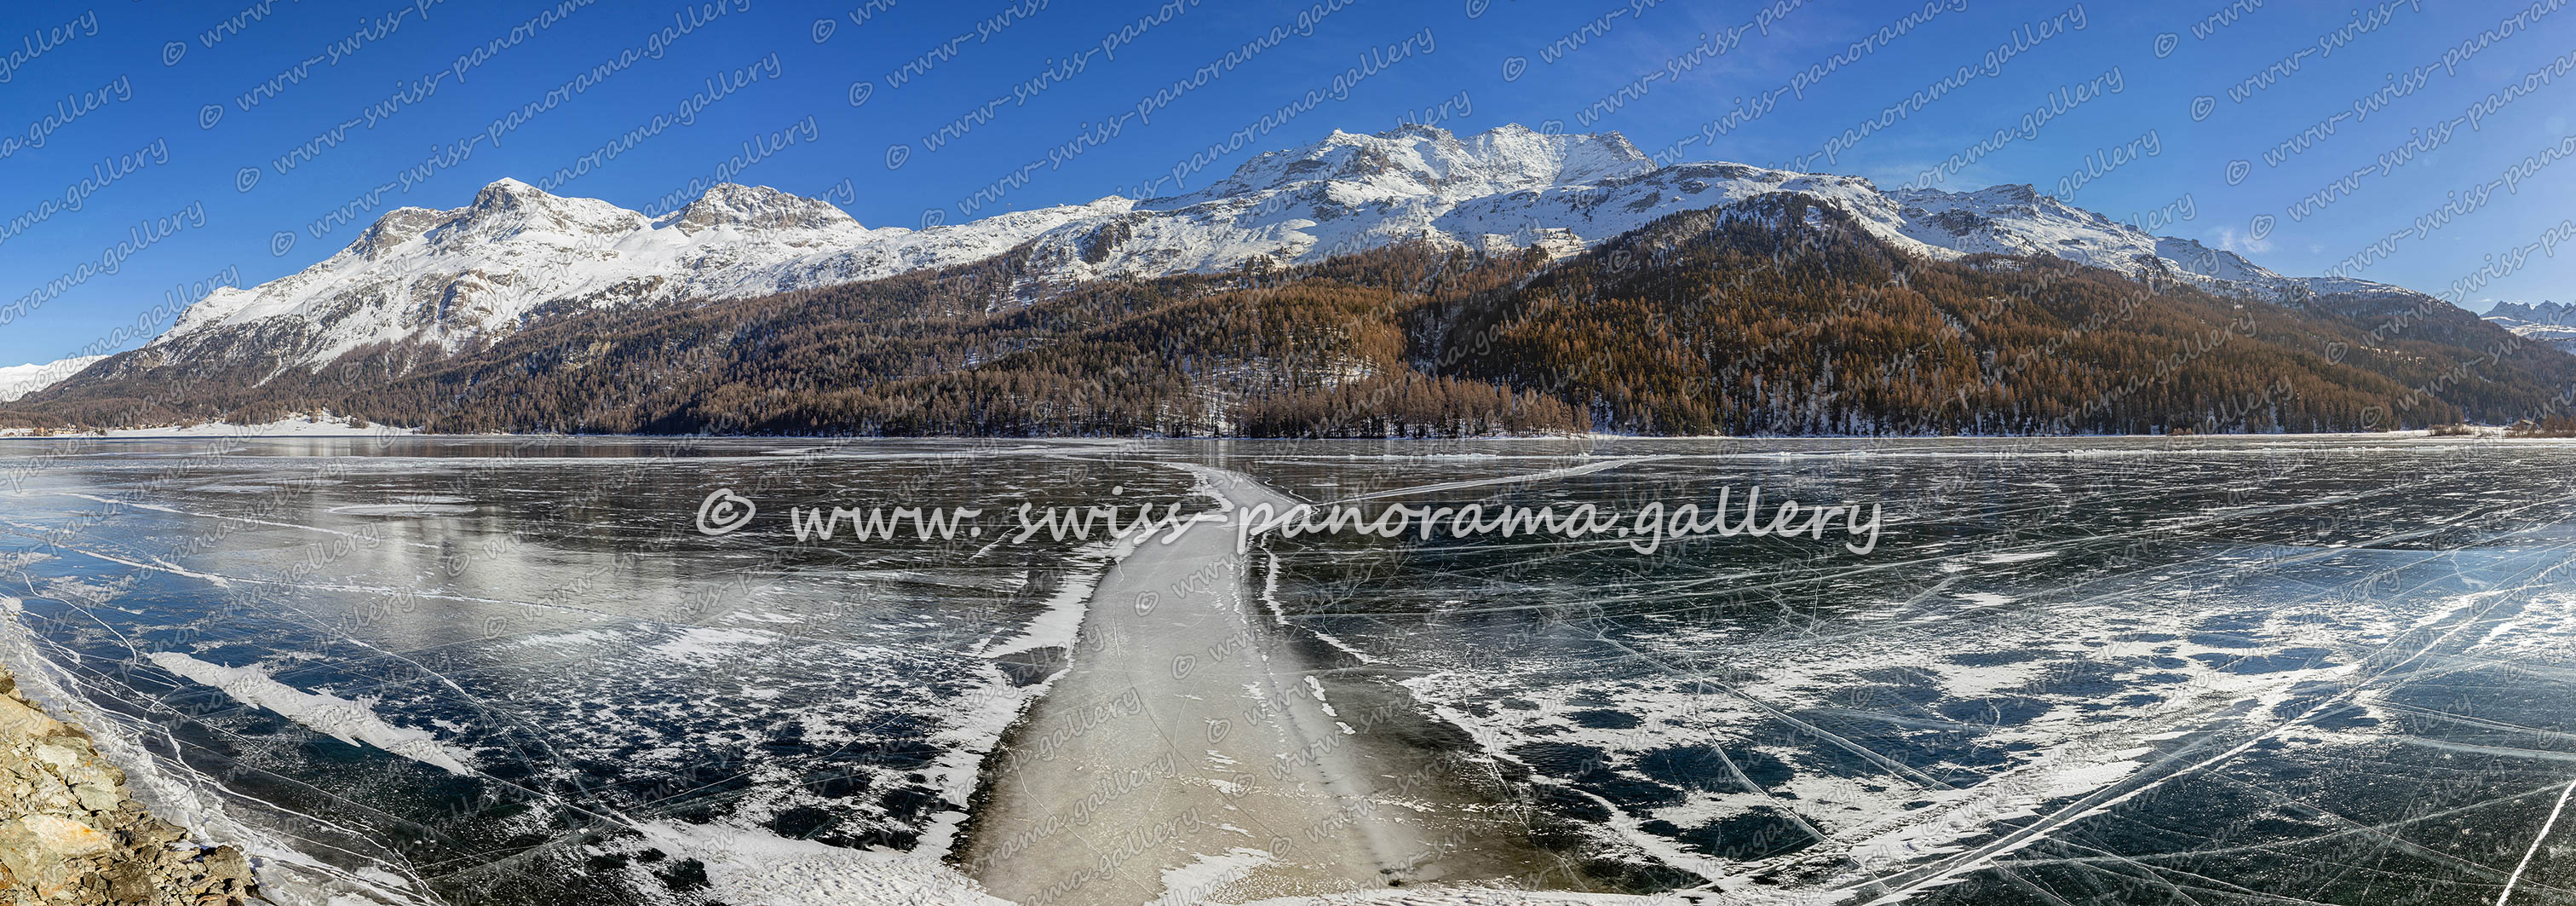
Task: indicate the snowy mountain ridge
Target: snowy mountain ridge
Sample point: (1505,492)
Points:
(2553,323)
(447,277)
(19,380)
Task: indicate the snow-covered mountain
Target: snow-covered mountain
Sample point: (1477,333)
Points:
(447,277)
(19,380)
(2549,322)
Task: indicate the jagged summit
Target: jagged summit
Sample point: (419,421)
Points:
(448,276)
(2553,323)
(2545,312)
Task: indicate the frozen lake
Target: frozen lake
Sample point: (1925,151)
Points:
(2199,670)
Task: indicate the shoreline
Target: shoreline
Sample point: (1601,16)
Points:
(227,431)
(80,836)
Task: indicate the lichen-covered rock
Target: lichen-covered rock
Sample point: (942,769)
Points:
(74,836)
(18,720)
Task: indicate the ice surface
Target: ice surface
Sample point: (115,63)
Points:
(2322,670)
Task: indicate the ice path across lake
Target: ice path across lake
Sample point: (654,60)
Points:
(1197,757)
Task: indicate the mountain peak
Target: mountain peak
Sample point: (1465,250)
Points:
(2546,312)
(757,207)
(1415,159)
(446,275)
(506,193)
(507,207)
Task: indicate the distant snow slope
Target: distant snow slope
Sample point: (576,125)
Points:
(446,277)
(19,380)
(311,424)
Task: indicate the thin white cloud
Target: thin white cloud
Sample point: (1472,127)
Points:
(2231,240)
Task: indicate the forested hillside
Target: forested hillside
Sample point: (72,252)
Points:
(1777,314)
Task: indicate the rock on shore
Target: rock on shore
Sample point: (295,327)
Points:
(72,835)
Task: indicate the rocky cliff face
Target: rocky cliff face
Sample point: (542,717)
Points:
(72,835)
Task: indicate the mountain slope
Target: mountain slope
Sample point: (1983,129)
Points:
(1779,313)
(448,278)
(888,320)
(1785,315)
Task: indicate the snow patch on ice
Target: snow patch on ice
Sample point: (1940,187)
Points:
(1206,879)
(403,509)
(2015,557)
(352,722)
(705,647)
(749,867)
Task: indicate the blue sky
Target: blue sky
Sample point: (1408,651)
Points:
(167,99)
